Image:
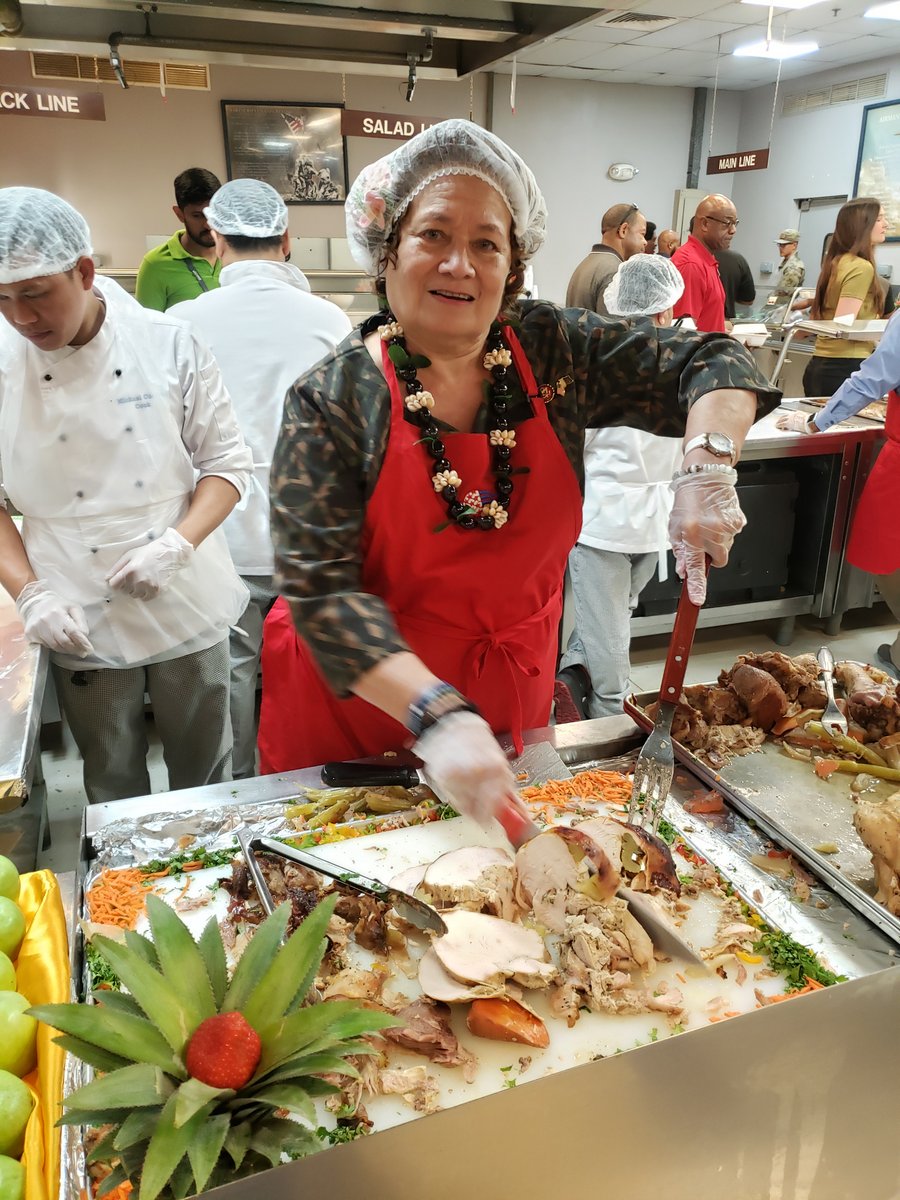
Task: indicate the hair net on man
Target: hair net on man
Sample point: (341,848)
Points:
(644,285)
(383,191)
(247,208)
(40,234)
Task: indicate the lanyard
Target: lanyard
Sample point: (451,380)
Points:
(189,263)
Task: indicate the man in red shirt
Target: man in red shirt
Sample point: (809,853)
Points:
(712,229)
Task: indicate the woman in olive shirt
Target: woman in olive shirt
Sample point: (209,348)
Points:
(848,287)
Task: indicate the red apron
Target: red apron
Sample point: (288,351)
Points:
(874,544)
(481,609)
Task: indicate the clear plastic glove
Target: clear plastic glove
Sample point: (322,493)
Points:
(51,622)
(471,772)
(795,421)
(147,570)
(705,518)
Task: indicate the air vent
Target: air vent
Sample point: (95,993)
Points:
(194,76)
(640,21)
(869,88)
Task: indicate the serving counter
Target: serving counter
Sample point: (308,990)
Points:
(794,1101)
(23,674)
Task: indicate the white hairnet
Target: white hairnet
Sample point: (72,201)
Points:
(644,285)
(247,208)
(383,191)
(40,234)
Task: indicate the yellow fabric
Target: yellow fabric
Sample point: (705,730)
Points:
(851,279)
(42,974)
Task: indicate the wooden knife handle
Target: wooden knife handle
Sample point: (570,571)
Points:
(680,646)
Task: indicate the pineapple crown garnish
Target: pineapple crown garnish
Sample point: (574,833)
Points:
(170,1134)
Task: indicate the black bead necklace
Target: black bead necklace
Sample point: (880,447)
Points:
(469,511)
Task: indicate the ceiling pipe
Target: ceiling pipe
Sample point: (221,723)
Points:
(274,49)
(415,60)
(11,23)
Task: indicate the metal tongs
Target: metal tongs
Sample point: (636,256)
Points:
(833,720)
(410,908)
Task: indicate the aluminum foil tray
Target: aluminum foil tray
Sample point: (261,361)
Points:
(792,805)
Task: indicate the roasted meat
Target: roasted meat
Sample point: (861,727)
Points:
(762,695)
(426,1030)
(791,674)
(717,705)
(480,949)
(871,699)
(878,824)
(642,859)
(478,878)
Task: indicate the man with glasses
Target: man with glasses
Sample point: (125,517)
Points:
(714,225)
(623,229)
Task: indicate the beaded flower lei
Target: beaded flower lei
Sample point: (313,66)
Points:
(469,512)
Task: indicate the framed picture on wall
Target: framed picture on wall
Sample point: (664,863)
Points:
(297,148)
(878,161)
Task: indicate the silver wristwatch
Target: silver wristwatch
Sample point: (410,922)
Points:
(719,444)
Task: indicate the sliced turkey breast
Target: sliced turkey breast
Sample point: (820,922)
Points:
(644,860)
(439,985)
(478,948)
(480,878)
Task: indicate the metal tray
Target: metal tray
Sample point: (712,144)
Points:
(786,800)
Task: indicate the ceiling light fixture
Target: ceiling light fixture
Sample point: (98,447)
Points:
(794,4)
(775,49)
(886,12)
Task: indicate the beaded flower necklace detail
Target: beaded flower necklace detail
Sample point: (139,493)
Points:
(470,512)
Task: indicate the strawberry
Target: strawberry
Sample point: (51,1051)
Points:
(224,1051)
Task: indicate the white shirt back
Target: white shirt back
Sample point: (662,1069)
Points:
(265,330)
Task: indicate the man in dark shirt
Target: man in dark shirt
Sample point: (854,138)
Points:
(623,230)
(737,280)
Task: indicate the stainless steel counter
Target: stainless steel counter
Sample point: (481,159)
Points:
(793,1102)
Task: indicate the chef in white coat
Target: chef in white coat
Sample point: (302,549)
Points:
(627,501)
(266,330)
(119,447)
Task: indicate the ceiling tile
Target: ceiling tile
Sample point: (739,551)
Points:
(672,8)
(607,57)
(560,53)
(610,34)
(685,34)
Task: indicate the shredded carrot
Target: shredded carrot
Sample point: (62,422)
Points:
(118,897)
(680,977)
(812,985)
(608,786)
(122,1192)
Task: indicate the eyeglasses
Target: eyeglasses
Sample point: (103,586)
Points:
(725,221)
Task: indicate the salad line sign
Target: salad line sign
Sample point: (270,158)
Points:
(356,122)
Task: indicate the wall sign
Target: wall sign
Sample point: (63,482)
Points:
(51,102)
(295,147)
(878,161)
(357,122)
(737,160)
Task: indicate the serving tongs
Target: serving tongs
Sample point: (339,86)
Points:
(410,908)
(655,764)
(833,720)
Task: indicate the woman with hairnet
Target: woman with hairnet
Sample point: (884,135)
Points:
(627,500)
(426,487)
(108,414)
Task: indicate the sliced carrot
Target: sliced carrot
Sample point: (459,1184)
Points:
(506,1020)
(826,767)
(705,802)
(785,724)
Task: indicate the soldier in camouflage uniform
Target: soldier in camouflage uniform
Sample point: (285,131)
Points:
(429,601)
(792,272)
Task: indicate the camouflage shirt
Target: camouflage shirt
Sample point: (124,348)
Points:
(335,430)
(791,276)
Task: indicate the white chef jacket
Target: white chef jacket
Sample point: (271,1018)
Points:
(627,498)
(100,449)
(265,330)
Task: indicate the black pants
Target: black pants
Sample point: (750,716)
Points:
(823,376)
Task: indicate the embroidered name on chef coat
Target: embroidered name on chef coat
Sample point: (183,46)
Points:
(142,401)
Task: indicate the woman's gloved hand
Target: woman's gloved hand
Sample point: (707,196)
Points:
(51,622)
(705,517)
(147,570)
(468,767)
(795,421)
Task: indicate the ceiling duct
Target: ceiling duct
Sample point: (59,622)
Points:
(640,21)
(11,23)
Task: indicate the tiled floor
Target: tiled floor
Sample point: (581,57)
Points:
(713,650)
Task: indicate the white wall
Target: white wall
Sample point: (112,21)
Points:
(813,154)
(721,131)
(569,132)
(119,172)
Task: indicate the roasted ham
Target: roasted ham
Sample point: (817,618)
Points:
(761,694)
(878,824)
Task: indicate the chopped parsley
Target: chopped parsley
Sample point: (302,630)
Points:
(342,1133)
(103,977)
(667,831)
(793,961)
(654,1035)
(206,858)
(508,1083)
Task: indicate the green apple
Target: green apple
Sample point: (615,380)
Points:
(7,978)
(16,1103)
(9,879)
(12,1179)
(17,1035)
(12,927)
